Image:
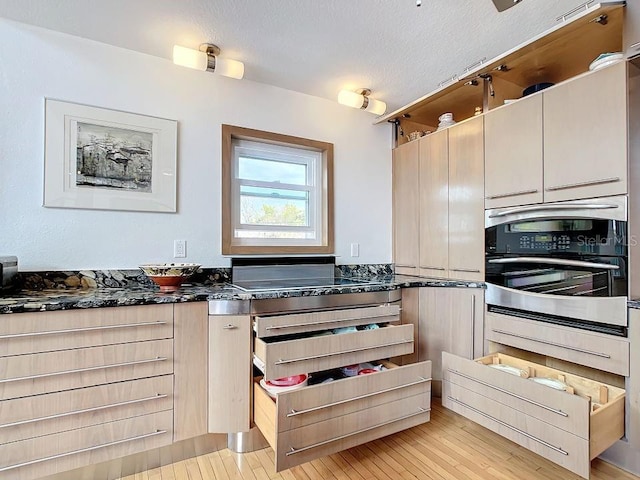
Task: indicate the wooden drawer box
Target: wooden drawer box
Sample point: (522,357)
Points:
(314,354)
(63,330)
(273,325)
(568,428)
(39,373)
(322,419)
(39,415)
(40,456)
(602,352)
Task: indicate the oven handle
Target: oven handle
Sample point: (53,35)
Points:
(564,206)
(555,261)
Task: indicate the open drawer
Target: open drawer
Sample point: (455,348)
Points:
(319,420)
(566,418)
(280,359)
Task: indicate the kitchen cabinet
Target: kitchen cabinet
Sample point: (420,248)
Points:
(632,29)
(466,200)
(451,320)
(513,154)
(434,204)
(585,136)
(230,368)
(405,208)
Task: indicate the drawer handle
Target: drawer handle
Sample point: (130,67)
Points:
(78,370)
(323,322)
(512,194)
(229,326)
(519,397)
(442,269)
(583,184)
(294,412)
(86,410)
(82,450)
(405,266)
(324,355)
(466,270)
(293,450)
(511,427)
(553,344)
(84,329)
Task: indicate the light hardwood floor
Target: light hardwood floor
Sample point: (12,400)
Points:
(449,447)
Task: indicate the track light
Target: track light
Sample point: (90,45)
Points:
(360,99)
(207,59)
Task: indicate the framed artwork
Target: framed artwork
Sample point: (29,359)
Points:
(104,159)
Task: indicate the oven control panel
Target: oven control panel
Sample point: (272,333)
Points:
(545,241)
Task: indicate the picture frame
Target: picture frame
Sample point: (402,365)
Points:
(98,158)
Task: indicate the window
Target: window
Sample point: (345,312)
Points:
(277,193)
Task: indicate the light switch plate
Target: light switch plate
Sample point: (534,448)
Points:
(179,248)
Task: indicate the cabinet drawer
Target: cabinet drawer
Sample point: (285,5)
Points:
(50,331)
(268,326)
(570,429)
(40,456)
(322,419)
(314,354)
(39,373)
(598,351)
(29,417)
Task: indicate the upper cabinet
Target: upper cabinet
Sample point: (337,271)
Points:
(632,29)
(585,136)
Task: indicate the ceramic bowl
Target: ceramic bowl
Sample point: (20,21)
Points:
(169,276)
(287,384)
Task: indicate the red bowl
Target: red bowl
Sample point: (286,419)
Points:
(364,371)
(287,381)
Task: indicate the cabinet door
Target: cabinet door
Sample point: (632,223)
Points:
(450,321)
(190,369)
(585,136)
(405,208)
(631,29)
(513,154)
(434,204)
(230,373)
(466,200)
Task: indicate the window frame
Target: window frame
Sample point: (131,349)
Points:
(230,188)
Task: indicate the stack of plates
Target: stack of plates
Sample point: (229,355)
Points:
(284,384)
(606,59)
(550,382)
(508,369)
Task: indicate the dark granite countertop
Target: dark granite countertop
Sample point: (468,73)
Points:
(74,298)
(633,304)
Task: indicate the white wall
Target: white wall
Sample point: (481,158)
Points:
(37,63)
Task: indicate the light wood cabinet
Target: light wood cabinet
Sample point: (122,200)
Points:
(230,372)
(434,204)
(466,200)
(405,208)
(451,321)
(585,136)
(513,154)
(632,29)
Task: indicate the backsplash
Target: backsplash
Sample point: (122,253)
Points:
(134,278)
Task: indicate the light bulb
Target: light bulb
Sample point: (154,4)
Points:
(186,57)
(229,68)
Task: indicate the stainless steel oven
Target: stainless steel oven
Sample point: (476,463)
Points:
(563,263)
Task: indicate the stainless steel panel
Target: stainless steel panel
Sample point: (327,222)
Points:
(229,307)
(609,310)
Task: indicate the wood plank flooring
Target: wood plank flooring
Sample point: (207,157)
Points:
(449,447)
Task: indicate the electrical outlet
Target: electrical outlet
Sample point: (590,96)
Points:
(355,249)
(179,248)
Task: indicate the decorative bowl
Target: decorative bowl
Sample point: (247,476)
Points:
(169,276)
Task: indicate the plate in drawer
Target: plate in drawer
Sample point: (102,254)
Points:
(292,357)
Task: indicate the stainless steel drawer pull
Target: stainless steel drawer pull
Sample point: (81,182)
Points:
(583,184)
(229,326)
(87,369)
(552,207)
(635,45)
(512,194)
(84,329)
(555,261)
(433,268)
(324,355)
(405,266)
(507,392)
(294,412)
(553,344)
(86,410)
(510,427)
(82,450)
(335,320)
(293,450)
(467,270)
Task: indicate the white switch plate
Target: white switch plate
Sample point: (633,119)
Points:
(179,248)
(355,249)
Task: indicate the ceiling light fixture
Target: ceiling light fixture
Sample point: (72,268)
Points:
(360,99)
(207,59)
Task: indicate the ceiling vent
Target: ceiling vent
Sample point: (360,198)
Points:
(502,5)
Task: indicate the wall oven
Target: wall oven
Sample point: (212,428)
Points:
(562,263)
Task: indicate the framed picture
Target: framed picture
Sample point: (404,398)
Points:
(105,159)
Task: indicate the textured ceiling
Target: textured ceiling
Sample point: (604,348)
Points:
(318,47)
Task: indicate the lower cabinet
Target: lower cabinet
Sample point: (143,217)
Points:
(566,418)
